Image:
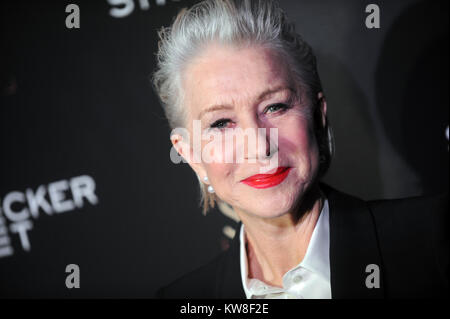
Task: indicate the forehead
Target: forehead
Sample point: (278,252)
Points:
(232,75)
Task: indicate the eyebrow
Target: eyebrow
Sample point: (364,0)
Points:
(261,97)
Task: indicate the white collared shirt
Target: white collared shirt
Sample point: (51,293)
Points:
(308,280)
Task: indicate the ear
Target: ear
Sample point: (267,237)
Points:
(184,149)
(323,107)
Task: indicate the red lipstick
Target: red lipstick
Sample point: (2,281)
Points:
(267,180)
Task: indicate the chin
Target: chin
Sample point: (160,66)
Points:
(272,204)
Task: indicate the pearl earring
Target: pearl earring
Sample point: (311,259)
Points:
(210,188)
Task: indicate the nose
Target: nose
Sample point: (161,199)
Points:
(258,143)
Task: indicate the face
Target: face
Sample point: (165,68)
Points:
(227,88)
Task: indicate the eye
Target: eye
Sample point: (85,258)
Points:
(274,108)
(222,123)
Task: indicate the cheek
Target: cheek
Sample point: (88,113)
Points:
(296,138)
(218,162)
(219,173)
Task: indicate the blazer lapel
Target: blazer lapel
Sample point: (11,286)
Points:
(353,246)
(229,283)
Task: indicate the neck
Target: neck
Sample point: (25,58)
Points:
(276,245)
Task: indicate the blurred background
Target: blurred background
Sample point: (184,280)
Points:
(85,172)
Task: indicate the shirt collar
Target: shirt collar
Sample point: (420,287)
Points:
(317,258)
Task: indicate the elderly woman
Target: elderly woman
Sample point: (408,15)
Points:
(238,65)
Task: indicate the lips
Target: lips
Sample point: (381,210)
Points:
(267,180)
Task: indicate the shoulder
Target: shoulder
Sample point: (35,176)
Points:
(414,242)
(411,236)
(199,283)
(220,278)
(417,224)
(424,213)
(433,202)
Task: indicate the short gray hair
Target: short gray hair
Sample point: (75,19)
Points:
(233,22)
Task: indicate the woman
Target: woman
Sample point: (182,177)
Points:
(228,68)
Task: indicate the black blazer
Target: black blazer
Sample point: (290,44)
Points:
(406,238)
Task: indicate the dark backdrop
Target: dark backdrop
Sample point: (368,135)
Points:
(77,102)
